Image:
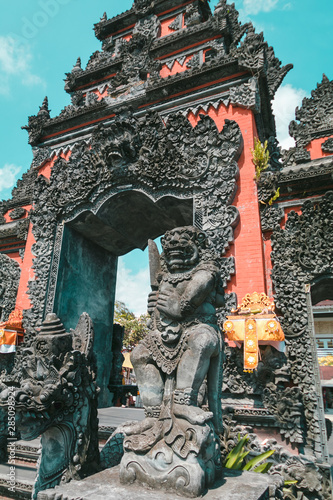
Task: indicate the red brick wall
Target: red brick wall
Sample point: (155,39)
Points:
(248,246)
(315,148)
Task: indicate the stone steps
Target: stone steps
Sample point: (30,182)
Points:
(27,452)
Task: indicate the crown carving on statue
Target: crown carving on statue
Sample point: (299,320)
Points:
(255,303)
(14,321)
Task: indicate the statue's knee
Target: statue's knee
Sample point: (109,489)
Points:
(204,339)
(140,355)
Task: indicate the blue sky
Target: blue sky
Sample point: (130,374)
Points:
(40,40)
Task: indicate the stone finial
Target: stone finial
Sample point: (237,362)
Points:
(44,111)
(77,66)
(52,325)
(104,17)
(220,6)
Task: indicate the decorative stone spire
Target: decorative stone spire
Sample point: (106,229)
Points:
(44,111)
(77,66)
(220,7)
(52,325)
(315,116)
(143,7)
(104,17)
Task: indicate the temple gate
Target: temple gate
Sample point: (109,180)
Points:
(159,135)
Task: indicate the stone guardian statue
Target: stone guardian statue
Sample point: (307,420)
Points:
(176,447)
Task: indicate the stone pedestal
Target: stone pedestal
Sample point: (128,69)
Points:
(106,486)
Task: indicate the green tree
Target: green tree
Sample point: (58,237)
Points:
(135,328)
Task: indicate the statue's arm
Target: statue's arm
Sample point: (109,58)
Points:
(177,306)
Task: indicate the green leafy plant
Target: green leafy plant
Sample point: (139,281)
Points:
(274,197)
(260,157)
(236,458)
(135,328)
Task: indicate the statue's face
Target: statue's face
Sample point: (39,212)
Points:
(181,251)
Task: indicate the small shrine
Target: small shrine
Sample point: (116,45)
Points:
(253,323)
(11,332)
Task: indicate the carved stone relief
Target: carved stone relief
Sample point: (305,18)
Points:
(271,217)
(17,213)
(327,146)
(301,253)
(9,281)
(56,397)
(246,95)
(315,116)
(159,159)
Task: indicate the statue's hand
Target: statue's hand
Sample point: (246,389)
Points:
(169,304)
(152,301)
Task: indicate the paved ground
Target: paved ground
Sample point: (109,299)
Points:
(116,416)
(112,417)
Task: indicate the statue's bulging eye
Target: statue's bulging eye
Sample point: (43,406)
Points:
(58,405)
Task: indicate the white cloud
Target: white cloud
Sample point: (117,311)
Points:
(256,6)
(287,98)
(15,62)
(8,176)
(133,288)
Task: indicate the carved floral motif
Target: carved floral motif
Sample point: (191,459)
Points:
(302,252)
(56,397)
(327,146)
(159,158)
(17,213)
(9,280)
(315,116)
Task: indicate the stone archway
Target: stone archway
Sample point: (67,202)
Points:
(87,266)
(110,193)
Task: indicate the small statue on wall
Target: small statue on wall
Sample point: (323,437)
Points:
(177,443)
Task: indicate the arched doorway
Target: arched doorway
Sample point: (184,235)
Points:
(87,271)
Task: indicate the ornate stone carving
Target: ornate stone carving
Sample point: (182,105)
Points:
(177,24)
(254,54)
(17,229)
(327,146)
(246,95)
(195,61)
(173,158)
(176,446)
(267,186)
(272,368)
(193,14)
(143,7)
(295,156)
(9,281)
(57,398)
(315,116)
(287,407)
(271,217)
(313,480)
(301,252)
(17,213)
(36,124)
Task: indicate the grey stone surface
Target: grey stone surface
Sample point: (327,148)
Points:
(177,445)
(86,282)
(105,485)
